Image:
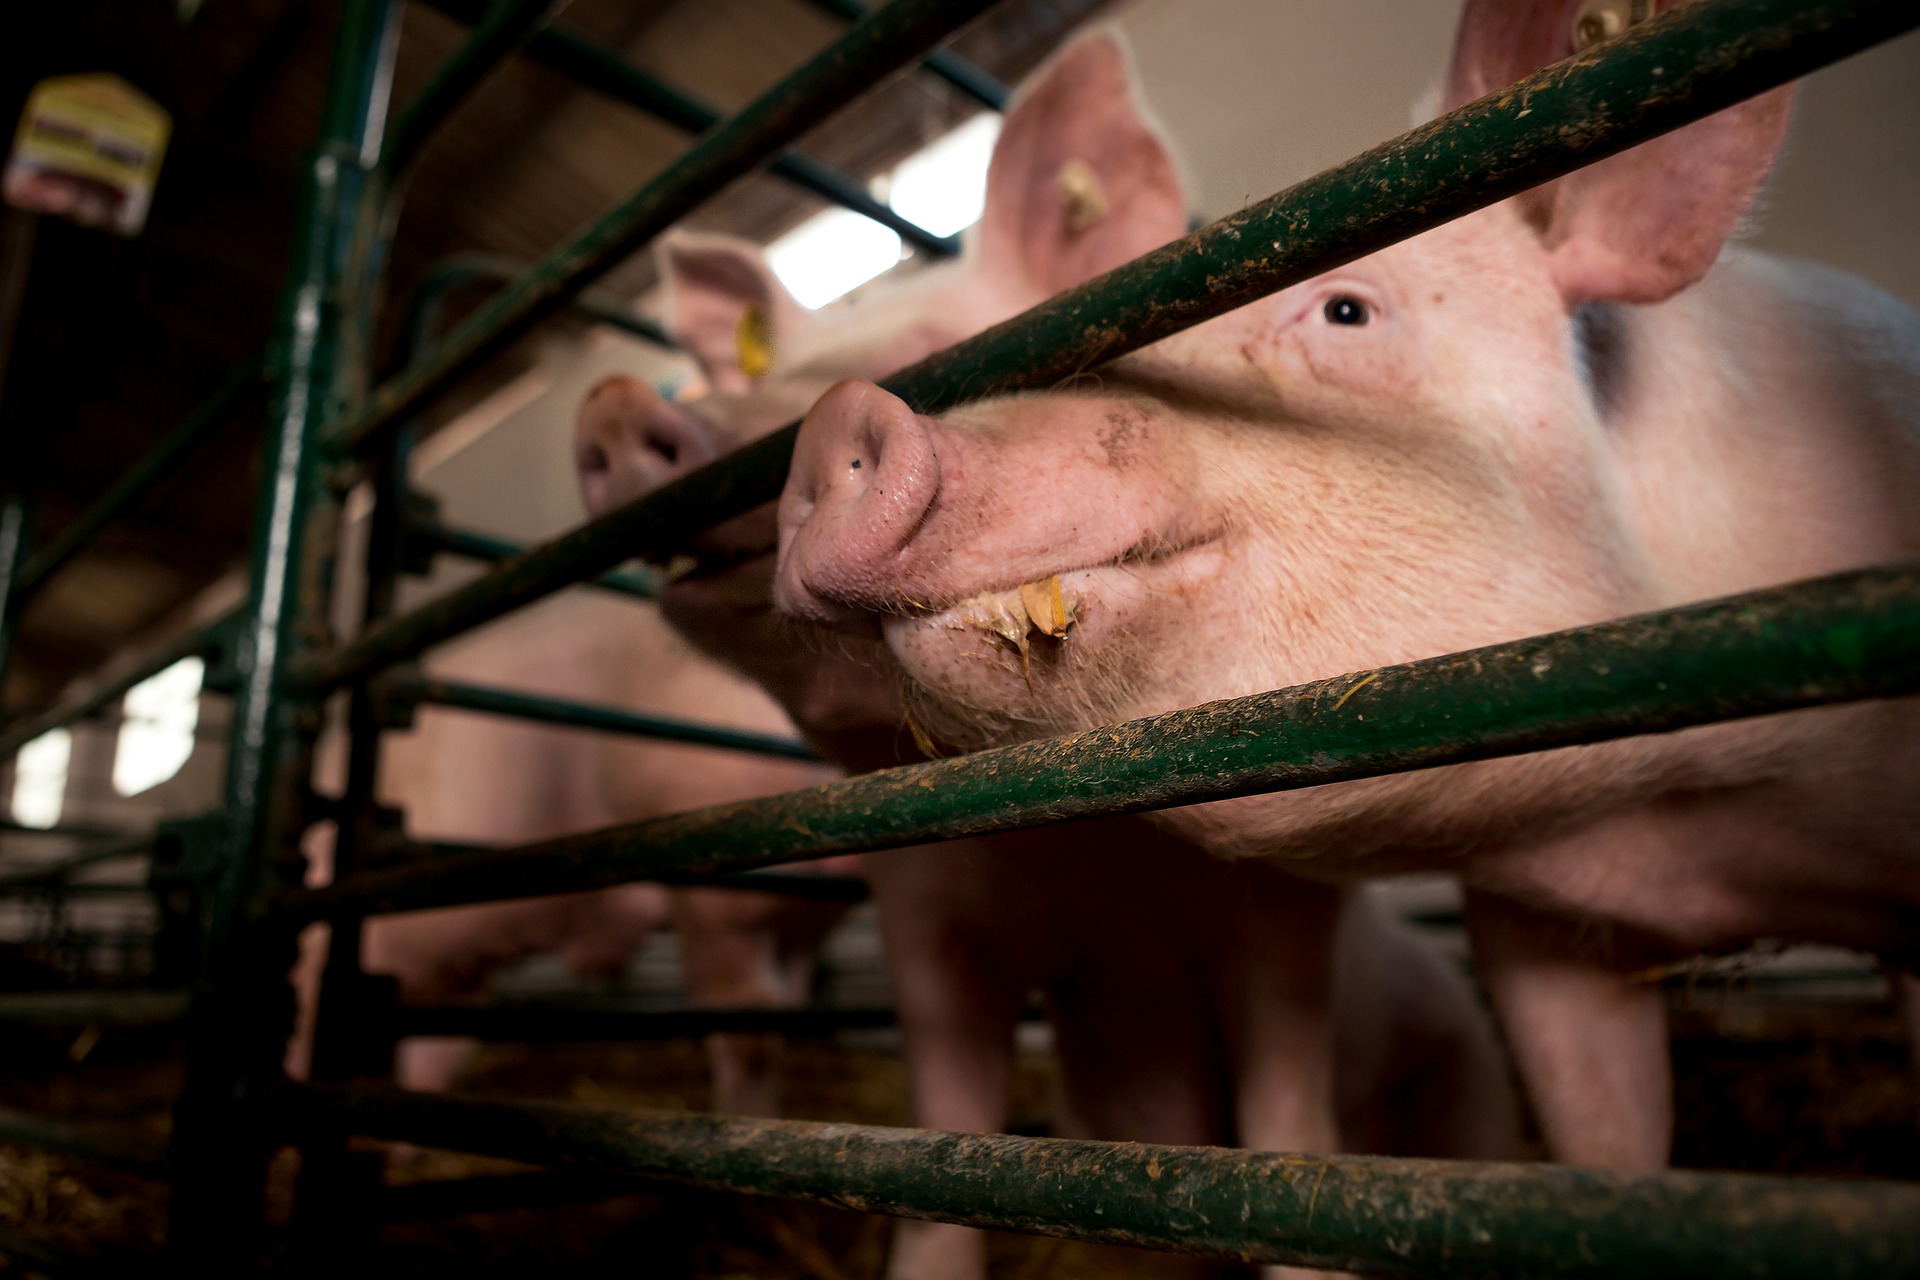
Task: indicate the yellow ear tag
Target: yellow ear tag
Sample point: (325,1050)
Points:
(753,342)
(1081,196)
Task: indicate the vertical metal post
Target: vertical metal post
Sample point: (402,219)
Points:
(242,1008)
(16,530)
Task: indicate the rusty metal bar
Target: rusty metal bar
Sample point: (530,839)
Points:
(604,1018)
(606,72)
(503,27)
(90,702)
(241,386)
(885,41)
(1370,1215)
(120,1146)
(408,691)
(944,63)
(1688,63)
(1851,636)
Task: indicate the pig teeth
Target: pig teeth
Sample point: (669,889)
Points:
(1042,606)
(679,567)
(1047,607)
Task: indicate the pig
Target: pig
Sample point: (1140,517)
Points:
(1572,406)
(462,777)
(1189,996)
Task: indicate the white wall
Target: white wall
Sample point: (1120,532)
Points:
(1258,94)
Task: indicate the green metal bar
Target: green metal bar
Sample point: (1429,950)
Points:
(1370,1215)
(128,846)
(242,1008)
(414,690)
(465,268)
(948,65)
(93,1008)
(124,1148)
(1686,64)
(603,70)
(1835,639)
(492,1193)
(612,1019)
(16,534)
(792,884)
(504,26)
(887,40)
(159,462)
(90,703)
(640,583)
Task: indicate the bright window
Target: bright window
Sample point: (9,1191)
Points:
(942,187)
(828,255)
(40,779)
(156,738)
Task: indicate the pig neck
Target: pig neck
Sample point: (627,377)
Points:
(1769,429)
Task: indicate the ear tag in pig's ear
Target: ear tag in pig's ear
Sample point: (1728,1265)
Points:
(1605,19)
(1081,195)
(753,342)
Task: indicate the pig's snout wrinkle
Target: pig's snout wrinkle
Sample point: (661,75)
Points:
(864,477)
(630,441)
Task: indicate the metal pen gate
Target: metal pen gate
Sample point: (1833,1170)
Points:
(228,875)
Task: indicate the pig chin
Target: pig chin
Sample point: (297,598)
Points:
(986,671)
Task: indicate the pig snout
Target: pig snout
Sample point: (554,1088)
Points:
(864,477)
(631,440)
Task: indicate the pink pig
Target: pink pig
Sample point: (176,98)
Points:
(1563,409)
(466,777)
(1189,996)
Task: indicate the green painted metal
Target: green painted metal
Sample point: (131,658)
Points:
(131,845)
(504,26)
(1833,639)
(449,274)
(949,66)
(490,1193)
(16,535)
(791,884)
(1688,63)
(1369,1215)
(93,700)
(639,582)
(160,462)
(414,690)
(884,42)
(603,70)
(97,1008)
(117,1145)
(603,1018)
(241,1011)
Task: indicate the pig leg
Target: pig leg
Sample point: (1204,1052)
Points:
(958,1006)
(731,957)
(1281,1022)
(1591,1044)
(1421,1071)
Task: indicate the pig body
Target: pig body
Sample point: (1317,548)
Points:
(468,778)
(1190,998)
(1513,424)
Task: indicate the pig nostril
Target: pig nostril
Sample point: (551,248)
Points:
(593,458)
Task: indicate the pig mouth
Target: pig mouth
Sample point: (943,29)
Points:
(1047,613)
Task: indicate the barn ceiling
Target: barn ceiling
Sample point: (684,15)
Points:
(118,340)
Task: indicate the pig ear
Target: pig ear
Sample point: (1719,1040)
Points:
(1643,225)
(1080,182)
(726,308)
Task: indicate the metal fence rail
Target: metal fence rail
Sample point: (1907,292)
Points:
(1702,57)
(1834,639)
(1374,1216)
(1847,637)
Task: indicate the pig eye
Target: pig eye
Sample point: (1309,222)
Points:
(1346,309)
